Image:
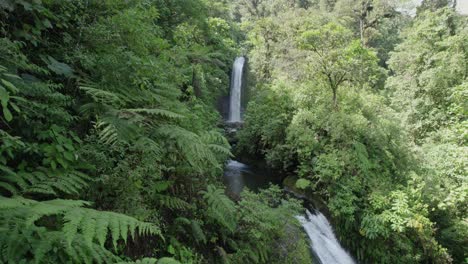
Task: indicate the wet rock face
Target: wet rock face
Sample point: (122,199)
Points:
(223,106)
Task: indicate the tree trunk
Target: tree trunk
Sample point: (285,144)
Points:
(335,100)
(361,30)
(196,84)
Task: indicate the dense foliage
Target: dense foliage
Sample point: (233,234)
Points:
(371,119)
(111,149)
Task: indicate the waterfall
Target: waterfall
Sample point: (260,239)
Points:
(236,89)
(324,244)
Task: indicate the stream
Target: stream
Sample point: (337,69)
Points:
(325,247)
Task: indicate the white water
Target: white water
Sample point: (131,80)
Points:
(236,89)
(324,244)
(233,176)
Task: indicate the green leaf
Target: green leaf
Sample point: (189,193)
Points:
(302,183)
(168,261)
(69,146)
(171,249)
(46,23)
(59,67)
(10,86)
(15,107)
(7,114)
(68,156)
(4,96)
(62,162)
(53,164)
(162,185)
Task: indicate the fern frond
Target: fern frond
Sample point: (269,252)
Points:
(88,228)
(220,207)
(41,250)
(7,203)
(172,202)
(193,147)
(217,143)
(197,232)
(157,112)
(72,221)
(114,226)
(44,182)
(117,126)
(148,145)
(100,233)
(101,96)
(152,261)
(168,261)
(225,151)
(79,233)
(8,187)
(141,261)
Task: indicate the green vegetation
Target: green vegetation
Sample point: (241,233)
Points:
(112,150)
(110,146)
(371,119)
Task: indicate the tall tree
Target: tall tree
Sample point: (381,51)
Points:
(433,5)
(368,15)
(337,60)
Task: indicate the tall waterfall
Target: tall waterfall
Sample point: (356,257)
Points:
(236,89)
(325,246)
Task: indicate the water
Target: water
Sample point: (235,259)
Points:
(237,176)
(325,247)
(324,244)
(236,90)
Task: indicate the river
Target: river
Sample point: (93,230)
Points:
(325,247)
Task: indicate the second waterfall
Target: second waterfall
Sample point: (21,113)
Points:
(236,91)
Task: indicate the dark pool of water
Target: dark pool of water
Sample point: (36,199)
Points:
(237,176)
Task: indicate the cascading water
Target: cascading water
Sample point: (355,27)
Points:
(236,89)
(325,246)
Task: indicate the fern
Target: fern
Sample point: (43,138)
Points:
(183,224)
(42,181)
(129,125)
(220,207)
(141,261)
(115,126)
(152,261)
(197,232)
(166,200)
(101,96)
(217,143)
(198,151)
(172,202)
(168,261)
(157,112)
(41,228)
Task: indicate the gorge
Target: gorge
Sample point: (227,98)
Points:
(233,132)
(325,247)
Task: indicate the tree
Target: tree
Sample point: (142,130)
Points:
(368,15)
(428,90)
(434,55)
(337,60)
(433,5)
